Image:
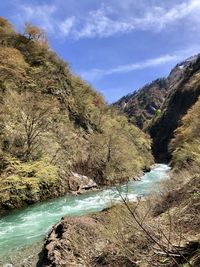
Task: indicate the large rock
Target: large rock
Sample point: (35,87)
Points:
(78,182)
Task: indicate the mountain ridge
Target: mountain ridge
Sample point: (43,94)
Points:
(153,94)
(156,120)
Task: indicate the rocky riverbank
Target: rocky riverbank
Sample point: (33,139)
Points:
(80,241)
(155,232)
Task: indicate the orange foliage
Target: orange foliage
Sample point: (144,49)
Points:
(34,33)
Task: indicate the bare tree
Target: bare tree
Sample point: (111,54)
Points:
(27,120)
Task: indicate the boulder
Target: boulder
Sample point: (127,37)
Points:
(78,182)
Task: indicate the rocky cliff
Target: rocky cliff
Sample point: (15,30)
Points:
(158,107)
(183,93)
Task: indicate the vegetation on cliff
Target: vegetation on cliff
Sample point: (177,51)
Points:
(53,123)
(185,145)
(158,107)
(183,94)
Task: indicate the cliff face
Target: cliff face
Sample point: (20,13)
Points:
(184,91)
(158,107)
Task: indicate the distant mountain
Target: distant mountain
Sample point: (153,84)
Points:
(159,106)
(144,104)
(183,93)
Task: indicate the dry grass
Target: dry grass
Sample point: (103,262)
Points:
(164,230)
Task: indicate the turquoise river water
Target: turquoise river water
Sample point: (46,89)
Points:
(30,225)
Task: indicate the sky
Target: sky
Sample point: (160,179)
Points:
(116,45)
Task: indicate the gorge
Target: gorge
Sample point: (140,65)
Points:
(56,129)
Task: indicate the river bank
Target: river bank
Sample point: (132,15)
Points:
(26,227)
(163,230)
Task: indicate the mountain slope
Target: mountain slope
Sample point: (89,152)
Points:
(53,124)
(158,107)
(143,104)
(185,146)
(183,94)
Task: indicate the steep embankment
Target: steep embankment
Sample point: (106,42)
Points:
(185,146)
(167,234)
(77,235)
(53,124)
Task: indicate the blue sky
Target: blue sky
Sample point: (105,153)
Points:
(115,45)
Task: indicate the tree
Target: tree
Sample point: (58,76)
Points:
(34,33)
(86,106)
(35,120)
(116,154)
(27,119)
(4,23)
(185,145)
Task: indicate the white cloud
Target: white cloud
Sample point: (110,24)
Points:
(45,17)
(99,73)
(100,23)
(41,14)
(174,58)
(109,20)
(160,18)
(145,64)
(67,25)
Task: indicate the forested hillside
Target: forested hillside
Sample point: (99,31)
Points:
(185,146)
(53,123)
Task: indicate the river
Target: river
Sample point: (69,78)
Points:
(22,229)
